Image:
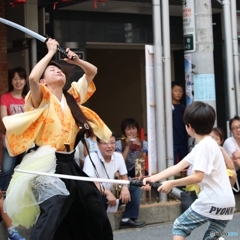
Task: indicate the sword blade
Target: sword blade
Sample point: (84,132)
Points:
(23,29)
(138,183)
(106,180)
(31,33)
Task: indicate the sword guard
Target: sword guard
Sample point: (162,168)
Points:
(61,50)
(139,183)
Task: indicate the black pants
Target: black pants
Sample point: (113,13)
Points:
(49,218)
(79,216)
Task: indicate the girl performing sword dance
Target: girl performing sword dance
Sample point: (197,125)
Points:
(59,208)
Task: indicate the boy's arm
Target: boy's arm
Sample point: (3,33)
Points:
(166,186)
(171,171)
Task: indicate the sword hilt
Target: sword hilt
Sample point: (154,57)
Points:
(139,183)
(61,50)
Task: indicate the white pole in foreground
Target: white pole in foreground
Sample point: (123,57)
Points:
(88,179)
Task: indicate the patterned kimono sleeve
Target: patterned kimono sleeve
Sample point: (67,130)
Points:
(45,99)
(23,128)
(82,90)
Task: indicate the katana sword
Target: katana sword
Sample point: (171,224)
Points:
(133,182)
(31,33)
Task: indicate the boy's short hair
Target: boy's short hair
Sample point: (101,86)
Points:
(232,120)
(201,116)
(176,83)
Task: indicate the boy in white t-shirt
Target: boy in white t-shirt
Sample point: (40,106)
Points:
(216,202)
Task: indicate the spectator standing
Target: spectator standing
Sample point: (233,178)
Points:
(12,103)
(107,162)
(180,136)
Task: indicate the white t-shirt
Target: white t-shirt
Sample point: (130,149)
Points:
(216,199)
(116,163)
(230,145)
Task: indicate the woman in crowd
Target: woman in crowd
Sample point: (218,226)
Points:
(12,102)
(131,146)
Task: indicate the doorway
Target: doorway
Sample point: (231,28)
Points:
(120,84)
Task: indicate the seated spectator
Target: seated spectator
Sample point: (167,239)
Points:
(12,232)
(232,144)
(131,147)
(107,162)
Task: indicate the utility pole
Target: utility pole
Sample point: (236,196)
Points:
(228,37)
(235,53)
(159,91)
(167,82)
(198,47)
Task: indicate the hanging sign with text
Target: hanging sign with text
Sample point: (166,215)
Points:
(189,26)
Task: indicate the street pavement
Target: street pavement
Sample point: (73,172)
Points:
(164,232)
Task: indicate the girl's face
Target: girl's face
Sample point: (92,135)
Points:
(18,82)
(216,137)
(131,131)
(53,75)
